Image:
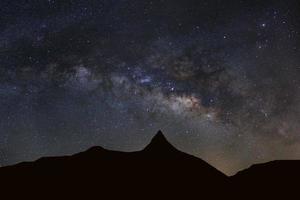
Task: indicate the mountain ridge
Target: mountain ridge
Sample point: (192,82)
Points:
(159,165)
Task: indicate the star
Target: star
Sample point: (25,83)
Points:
(263,25)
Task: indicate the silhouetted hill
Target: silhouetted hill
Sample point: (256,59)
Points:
(273,179)
(159,170)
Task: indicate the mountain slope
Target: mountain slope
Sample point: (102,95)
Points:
(276,179)
(158,170)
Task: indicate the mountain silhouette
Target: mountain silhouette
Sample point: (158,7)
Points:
(159,143)
(277,179)
(158,171)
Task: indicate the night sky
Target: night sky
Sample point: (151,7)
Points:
(221,79)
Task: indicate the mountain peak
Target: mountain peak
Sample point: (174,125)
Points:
(159,143)
(160,136)
(95,150)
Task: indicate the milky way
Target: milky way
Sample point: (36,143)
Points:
(220,79)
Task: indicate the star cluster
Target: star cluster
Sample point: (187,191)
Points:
(220,79)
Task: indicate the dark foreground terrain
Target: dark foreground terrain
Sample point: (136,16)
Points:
(159,171)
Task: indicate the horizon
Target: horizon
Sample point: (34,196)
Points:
(159,134)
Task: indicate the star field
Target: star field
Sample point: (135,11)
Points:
(220,79)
